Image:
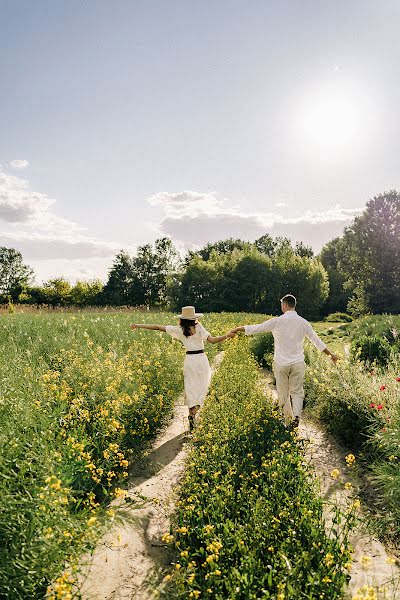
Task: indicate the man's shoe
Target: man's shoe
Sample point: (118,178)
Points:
(296,422)
(191,422)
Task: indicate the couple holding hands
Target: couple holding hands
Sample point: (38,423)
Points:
(289,331)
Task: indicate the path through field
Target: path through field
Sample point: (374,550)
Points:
(126,558)
(324,455)
(126,561)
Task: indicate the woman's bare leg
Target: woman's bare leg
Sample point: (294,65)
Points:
(192,413)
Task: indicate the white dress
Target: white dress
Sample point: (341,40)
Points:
(196,368)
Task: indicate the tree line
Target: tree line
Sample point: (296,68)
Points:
(358,272)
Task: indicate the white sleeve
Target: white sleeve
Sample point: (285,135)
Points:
(312,336)
(261,327)
(174,331)
(204,333)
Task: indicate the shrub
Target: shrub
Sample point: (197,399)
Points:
(361,407)
(371,350)
(262,347)
(339,317)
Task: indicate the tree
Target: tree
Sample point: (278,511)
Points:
(14,275)
(86,293)
(142,280)
(369,255)
(120,279)
(338,296)
(220,247)
(57,292)
(303,250)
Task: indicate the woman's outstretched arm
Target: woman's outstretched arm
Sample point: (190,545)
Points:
(219,338)
(147,326)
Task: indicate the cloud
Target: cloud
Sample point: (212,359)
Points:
(193,219)
(37,232)
(18,164)
(17,203)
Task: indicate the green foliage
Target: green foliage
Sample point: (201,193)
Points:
(339,317)
(362,408)
(369,255)
(262,347)
(80,395)
(14,275)
(249,523)
(371,350)
(142,280)
(248,280)
(338,295)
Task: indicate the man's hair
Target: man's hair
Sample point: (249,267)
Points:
(289,300)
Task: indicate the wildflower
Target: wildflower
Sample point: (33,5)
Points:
(119,493)
(398,379)
(91,521)
(391,561)
(194,594)
(183,530)
(350,459)
(167,538)
(328,560)
(392,457)
(177,566)
(365,561)
(380,406)
(335,473)
(217,572)
(167,578)
(348,486)
(372,405)
(382,388)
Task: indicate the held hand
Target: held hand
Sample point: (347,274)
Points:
(334,358)
(133,326)
(231,334)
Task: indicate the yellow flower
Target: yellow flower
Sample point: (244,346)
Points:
(350,459)
(365,561)
(328,560)
(91,521)
(348,486)
(335,473)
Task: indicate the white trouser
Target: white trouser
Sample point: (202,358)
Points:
(289,385)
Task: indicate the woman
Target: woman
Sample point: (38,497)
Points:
(196,368)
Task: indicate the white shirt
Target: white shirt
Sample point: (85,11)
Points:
(289,331)
(192,342)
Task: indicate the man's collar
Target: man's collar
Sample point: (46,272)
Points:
(289,312)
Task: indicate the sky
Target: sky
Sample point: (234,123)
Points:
(125,121)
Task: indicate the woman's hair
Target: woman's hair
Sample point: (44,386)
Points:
(186,325)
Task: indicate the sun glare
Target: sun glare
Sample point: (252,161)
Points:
(333,121)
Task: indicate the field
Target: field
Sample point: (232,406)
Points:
(81,397)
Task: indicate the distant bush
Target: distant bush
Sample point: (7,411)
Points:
(371,350)
(262,347)
(339,317)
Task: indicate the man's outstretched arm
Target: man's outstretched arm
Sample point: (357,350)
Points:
(319,344)
(252,329)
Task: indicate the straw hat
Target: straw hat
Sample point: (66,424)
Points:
(189,313)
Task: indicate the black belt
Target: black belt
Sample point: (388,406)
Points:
(195,352)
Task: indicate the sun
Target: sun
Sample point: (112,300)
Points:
(332,121)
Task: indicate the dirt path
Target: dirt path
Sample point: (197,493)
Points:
(127,557)
(125,563)
(371,562)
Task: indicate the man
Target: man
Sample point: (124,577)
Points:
(289,331)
